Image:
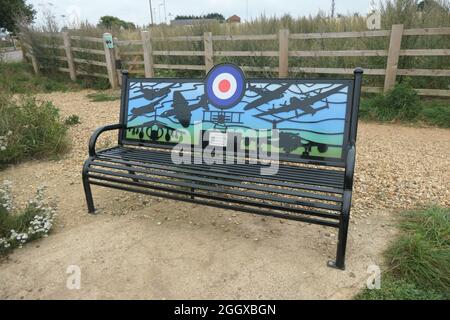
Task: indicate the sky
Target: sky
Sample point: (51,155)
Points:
(138,11)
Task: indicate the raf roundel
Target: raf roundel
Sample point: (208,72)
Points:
(225,86)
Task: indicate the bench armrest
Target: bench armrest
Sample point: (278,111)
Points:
(97,133)
(350,167)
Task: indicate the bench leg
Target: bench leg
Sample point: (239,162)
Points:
(339,263)
(87,188)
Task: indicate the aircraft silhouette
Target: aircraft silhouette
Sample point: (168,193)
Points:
(305,104)
(150,94)
(149,108)
(266,95)
(181,109)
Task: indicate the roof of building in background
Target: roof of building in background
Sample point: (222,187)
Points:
(234,18)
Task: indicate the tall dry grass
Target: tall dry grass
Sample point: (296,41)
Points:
(407,12)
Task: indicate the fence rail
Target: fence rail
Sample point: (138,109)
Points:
(136,54)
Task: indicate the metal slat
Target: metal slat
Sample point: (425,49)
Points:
(220,205)
(214,197)
(245,172)
(335,179)
(224,176)
(224,183)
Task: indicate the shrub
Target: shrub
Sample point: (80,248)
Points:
(29,129)
(401,103)
(437,114)
(72,120)
(19,227)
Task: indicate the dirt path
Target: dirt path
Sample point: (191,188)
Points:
(144,247)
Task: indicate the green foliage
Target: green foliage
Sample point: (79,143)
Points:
(217,16)
(393,289)
(19,78)
(72,120)
(419,260)
(29,129)
(111,22)
(399,104)
(18,227)
(436,113)
(14,11)
(404,105)
(103,96)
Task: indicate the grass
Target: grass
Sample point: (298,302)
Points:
(403,104)
(103,96)
(20,78)
(30,129)
(418,262)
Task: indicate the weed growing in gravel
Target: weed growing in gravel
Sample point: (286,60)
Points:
(20,227)
(29,129)
(419,261)
(103,96)
(72,120)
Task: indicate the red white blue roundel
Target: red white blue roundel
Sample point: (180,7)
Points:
(225,85)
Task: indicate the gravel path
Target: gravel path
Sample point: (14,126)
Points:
(398,167)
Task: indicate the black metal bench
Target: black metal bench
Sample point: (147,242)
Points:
(316,122)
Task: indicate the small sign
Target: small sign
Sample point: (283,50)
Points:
(218,139)
(108,39)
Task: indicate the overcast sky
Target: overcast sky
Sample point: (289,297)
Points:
(138,11)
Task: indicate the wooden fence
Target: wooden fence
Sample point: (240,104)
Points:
(141,60)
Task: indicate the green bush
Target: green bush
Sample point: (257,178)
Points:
(402,103)
(437,114)
(418,262)
(29,129)
(18,227)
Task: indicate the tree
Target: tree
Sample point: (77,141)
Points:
(216,16)
(13,11)
(111,22)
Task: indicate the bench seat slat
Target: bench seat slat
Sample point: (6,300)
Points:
(164,155)
(199,179)
(259,179)
(301,218)
(118,178)
(333,179)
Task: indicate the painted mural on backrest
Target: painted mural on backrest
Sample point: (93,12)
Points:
(311,116)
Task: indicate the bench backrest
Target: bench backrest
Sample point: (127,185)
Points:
(316,118)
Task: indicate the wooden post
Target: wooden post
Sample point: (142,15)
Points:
(110,62)
(117,58)
(69,55)
(34,61)
(148,53)
(393,55)
(283,62)
(208,44)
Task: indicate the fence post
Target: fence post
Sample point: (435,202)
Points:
(69,55)
(110,61)
(283,62)
(34,61)
(395,44)
(118,61)
(148,53)
(208,44)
